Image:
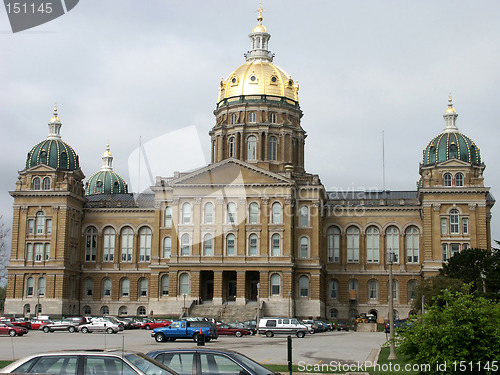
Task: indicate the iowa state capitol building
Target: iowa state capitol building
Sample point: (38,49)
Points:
(252,225)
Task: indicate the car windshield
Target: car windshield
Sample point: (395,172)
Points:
(257,368)
(148,365)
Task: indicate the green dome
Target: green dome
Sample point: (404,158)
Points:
(451,145)
(105,182)
(55,153)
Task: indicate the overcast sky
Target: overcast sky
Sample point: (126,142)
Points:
(124,69)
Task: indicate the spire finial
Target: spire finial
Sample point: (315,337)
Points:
(450,117)
(260,11)
(55,109)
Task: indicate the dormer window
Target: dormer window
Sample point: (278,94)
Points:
(252,117)
(272,118)
(459,179)
(234,118)
(447,179)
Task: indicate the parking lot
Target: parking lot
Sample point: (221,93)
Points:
(324,347)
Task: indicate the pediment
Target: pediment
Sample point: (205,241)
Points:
(231,172)
(40,168)
(454,163)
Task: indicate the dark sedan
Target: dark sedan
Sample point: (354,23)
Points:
(208,361)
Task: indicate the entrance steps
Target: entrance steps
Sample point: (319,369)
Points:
(226,312)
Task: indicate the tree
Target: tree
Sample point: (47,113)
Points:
(4,253)
(478,267)
(464,327)
(432,287)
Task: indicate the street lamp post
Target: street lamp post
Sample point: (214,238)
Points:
(258,304)
(37,302)
(184,308)
(392,353)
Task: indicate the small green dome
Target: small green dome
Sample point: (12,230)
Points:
(105,182)
(451,145)
(53,151)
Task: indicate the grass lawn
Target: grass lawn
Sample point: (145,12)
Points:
(4,363)
(397,364)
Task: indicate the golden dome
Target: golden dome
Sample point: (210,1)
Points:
(259,29)
(450,110)
(259,78)
(55,117)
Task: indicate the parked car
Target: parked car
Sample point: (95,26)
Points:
(342,326)
(35,324)
(208,361)
(272,326)
(252,329)
(133,323)
(230,330)
(20,322)
(399,325)
(7,328)
(88,362)
(203,322)
(100,325)
(180,330)
(251,324)
(330,325)
(312,327)
(156,323)
(59,325)
(322,326)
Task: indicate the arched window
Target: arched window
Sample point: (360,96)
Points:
(334,313)
(167,247)
(143,287)
(333,245)
(184,284)
(123,311)
(40,222)
(412,289)
(252,117)
(453,151)
(230,249)
(185,244)
(412,245)
(304,247)
(372,245)
(168,217)
(454,221)
(276,213)
(303,286)
(64,160)
(253,217)
(109,245)
(275,245)
(30,284)
(231,147)
(165,284)
(36,183)
(43,157)
(234,118)
(353,245)
(447,179)
(459,179)
(333,289)
(104,310)
(273,148)
(144,244)
(141,311)
(251,148)
(352,286)
(275,285)
(392,237)
(91,245)
(304,216)
(253,245)
(373,289)
(125,287)
(127,242)
(106,287)
(89,287)
(46,183)
(272,118)
(231,213)
(186,213)
(86,310)
(208,213)
(208,245)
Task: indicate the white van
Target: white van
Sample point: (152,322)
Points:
(290,326)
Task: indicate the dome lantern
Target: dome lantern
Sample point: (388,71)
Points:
(450,117)
(54,125)
(259,42)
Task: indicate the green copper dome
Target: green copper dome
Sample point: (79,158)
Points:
(53,151)
(106,181)
(451,144)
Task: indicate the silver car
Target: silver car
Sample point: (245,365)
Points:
(100,325)
(88,363)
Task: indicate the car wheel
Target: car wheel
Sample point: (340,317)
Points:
(269,334)
(46,329)
(110,330)
(85,330)
(300,334)
(238,334)
(195,337)
(160,337)
(147,327)
(12,333)
(71,329)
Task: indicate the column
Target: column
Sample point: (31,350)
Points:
(217,300)
(264,284)
(195,285)
(240,288)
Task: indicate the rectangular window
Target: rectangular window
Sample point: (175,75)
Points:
(444,250)
(38,252)
(455,249)
(276,245)
(253,245)
(31,226)
(48,224)
(465,226)
(444,226)
(144,248)
(47,251)
(109,247)
(465,246)
(29,251)
(230,246)
(454,224)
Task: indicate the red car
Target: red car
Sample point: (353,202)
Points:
(226,329)
(157,323)
(21,322)
(35,324)
(6,328)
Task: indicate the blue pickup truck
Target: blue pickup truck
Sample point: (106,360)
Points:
(181,330)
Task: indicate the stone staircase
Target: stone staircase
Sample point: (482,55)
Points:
(226,312)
